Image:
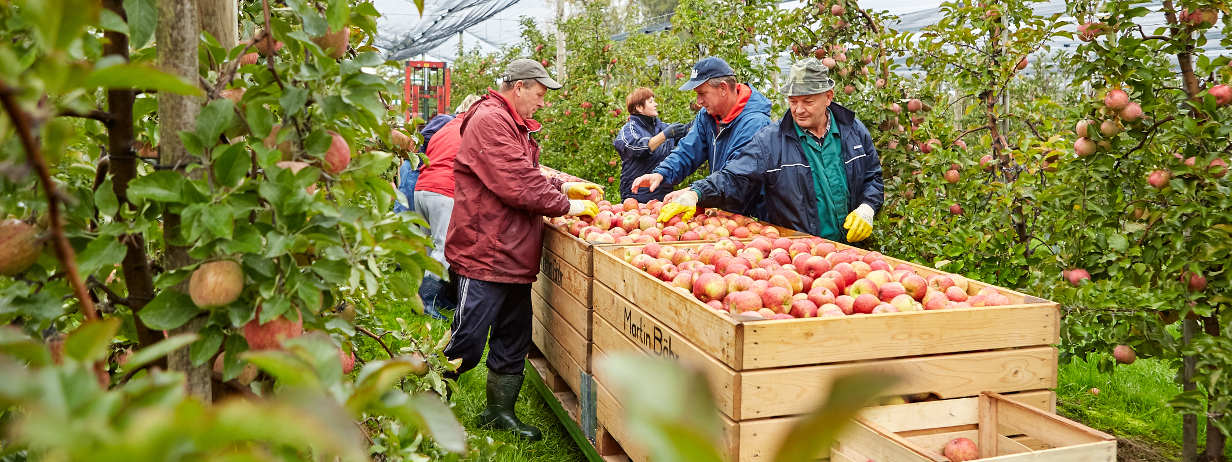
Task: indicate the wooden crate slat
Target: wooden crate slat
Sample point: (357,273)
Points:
(794,390)
(867,439)
(1051,429)
(723,381)
(576,313)
(946,413)
(577,346)
(1088,452)
(568,247)
(713,333)
(611,417)
(568,277)
(557,356)
(786,343)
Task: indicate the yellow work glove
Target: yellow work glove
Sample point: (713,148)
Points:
(684,204)
(579,207)
(859,223)
(580,190)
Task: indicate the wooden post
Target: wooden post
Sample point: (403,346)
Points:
(560,41)
(178,32)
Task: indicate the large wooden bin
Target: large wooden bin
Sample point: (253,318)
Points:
(764,372)
(1003,430)
(561,298)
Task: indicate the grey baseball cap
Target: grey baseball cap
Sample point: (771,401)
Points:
(522,69)
(807,77)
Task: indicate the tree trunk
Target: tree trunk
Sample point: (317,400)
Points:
(178,30)
(136,267)
(1189,422)
(1215,440)
(218,17)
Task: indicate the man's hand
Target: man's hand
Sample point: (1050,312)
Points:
(580,190)
(649,180)
(676,131)
(579,207)
(683,202)
(859,223)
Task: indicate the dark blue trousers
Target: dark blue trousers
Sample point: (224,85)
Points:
(499,309)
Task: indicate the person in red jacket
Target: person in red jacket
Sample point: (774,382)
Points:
(496,234)
(433,198)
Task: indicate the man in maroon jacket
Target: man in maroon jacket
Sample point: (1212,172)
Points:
(496,234)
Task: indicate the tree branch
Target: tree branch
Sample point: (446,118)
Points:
(377,338)
(64,251)
(268,34)
(115,298)
(970,131)
(94,114)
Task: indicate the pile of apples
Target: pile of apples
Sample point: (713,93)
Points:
(782,278)
(631,222)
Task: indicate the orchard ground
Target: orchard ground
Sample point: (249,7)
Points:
(1131,403)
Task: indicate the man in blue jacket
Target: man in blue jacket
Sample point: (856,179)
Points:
(732,113)
(817,166)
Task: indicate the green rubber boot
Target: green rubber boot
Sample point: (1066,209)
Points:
(502,395)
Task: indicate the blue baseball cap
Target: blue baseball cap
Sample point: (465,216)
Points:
(707,69)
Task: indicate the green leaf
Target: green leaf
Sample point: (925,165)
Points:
(163,186)
(288,369)
(105,199)
(428,411)
(153,352)
(231,164)
(245,239)
(15,343)
(140,77)
(293,100)
(375,379)
(1118,242)
(108,20)
(101,252)
(260,120)
(204,349)
(337,14)
(57,23)
(168,310)
(90,341)
(214,118)
(142,21)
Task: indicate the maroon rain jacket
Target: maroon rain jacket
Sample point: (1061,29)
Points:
(496,230)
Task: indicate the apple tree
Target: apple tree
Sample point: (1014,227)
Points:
(194,217)
(1145,196)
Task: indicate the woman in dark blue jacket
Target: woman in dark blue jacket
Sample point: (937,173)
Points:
(644,142)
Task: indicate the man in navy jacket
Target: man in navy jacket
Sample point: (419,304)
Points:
(817,167)
(733,112)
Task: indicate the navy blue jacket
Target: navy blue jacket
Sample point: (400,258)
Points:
(774,162)
(708,142)
(636,158)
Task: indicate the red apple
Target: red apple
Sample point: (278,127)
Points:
(776,298)
(864,303)
(935,300)
(1124,354)
(862,286)
(742,301)
(709,286)
(961,449)
(890,290)
(845,303)
(1222,94)
(1116,99)
(939,282)
(1076,276)
(803,309)
(915,285)
(956,294)
(1158,179)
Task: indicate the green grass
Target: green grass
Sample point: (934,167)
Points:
(1132,402)
(470,399)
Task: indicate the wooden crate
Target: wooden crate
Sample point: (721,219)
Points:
(1003,430)
(762,373)
(1028,321)
(560,298)
(758,440)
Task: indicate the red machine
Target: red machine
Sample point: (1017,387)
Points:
(426,89)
